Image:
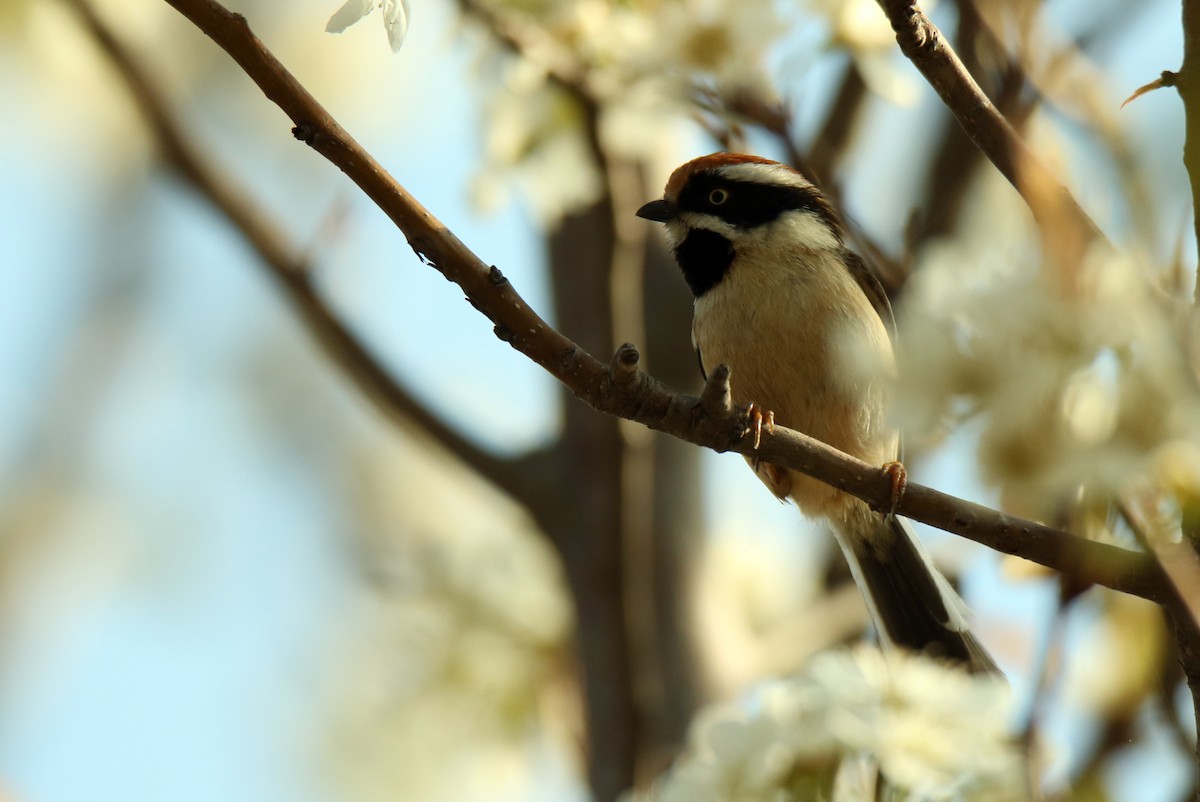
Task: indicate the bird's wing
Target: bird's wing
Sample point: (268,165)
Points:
(869,283)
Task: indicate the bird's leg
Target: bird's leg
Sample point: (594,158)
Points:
(898,474)
(756,417)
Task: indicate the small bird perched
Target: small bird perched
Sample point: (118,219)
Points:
(805,329)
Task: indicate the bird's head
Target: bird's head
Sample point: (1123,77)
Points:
(723,204)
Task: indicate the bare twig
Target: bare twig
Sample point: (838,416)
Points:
(623,390)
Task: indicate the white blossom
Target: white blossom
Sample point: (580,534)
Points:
(1074,374)
(639,65)
(396,14)
(395,21)
(861,28)
(936,732)
(350,12)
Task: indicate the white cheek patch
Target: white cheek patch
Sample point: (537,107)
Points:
(678,228)
(796,227)
(793,228)
(676,231)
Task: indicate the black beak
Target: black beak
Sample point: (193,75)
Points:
(660,211)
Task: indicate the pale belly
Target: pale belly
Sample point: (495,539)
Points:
(814,353)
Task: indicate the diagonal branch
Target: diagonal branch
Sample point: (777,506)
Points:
(621,389)
(283,262)
(1052,204)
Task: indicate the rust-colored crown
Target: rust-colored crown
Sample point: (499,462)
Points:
(710,162)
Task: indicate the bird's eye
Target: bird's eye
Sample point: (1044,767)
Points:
(718,196)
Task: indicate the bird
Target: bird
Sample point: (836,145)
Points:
(806,331)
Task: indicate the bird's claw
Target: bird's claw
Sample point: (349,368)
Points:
(898,474)
(756,416)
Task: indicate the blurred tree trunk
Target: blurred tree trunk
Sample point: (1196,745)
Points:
(624,512)
(678,526)
(581,507)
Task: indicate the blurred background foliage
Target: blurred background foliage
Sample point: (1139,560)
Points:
(225,574)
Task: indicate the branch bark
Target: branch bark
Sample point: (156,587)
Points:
(1187,83)
(621,389)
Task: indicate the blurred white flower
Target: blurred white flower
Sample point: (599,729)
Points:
(862,29)
(936,732)
(395,21)
(726,41)
(395,18)
(1076,373)
(533,139)
(857,24)
(637,65)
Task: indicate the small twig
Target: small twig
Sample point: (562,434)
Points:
(1164,80)
(1187,83)
(949,175)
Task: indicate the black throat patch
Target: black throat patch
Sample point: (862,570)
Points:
(704,257)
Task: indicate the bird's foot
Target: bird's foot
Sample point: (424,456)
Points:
(756,418)
(898,474)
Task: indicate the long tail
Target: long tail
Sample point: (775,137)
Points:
(913,605)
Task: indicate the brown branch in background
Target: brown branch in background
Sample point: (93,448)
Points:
(837,132)
(1052,204)
(1179,561)
(825,154)
(622,389)
(284,263)
(1187,83)
(1181,566)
